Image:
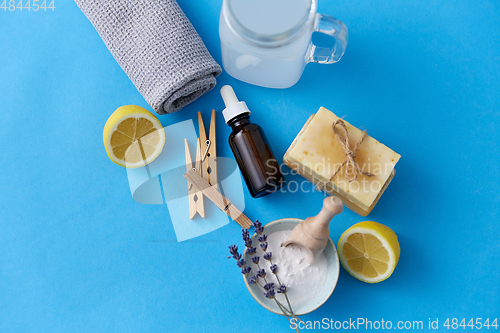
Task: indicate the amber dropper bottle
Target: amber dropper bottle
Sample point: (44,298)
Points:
(255,159)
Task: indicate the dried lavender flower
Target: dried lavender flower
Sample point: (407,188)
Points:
(246,270)
(253,280)
(251,250)
(245,234)
(268,255)
(262,238)
(241,263)
(263,246)
(233,249)
(282,289)
(270,294)
(261,273)
(269,285)
(248,243)
(258,227)
(274,268)
(255,260)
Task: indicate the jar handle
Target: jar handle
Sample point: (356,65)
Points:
(328,25)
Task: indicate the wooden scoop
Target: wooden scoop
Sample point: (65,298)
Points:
(313,233)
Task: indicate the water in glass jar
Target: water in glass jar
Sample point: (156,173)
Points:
(279,65)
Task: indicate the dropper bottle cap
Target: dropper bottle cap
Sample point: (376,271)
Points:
(233,106)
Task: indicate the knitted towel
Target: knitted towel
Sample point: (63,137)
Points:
(157,47)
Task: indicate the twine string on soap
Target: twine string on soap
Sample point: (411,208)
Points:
(352,168)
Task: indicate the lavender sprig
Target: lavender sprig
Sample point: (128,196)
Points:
(268,287)
(262,238)
(241,263)
(259,229)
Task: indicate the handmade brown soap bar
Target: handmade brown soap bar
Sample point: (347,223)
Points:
(317,154)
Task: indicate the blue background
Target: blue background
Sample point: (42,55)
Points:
(77,254)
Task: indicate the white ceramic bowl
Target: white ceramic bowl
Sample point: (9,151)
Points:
(323,295)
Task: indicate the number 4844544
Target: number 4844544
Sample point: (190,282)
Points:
(28,5)
(478,324)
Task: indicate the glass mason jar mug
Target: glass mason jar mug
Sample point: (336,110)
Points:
(268,42)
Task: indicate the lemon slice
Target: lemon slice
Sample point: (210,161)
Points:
(133,136)
(369,251)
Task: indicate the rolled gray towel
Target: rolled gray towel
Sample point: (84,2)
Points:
(157,47)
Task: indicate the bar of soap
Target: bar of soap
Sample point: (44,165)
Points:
(316,153)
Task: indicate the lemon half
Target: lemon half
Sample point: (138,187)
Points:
(133,136)
(369,251)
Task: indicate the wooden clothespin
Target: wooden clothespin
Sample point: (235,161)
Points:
(209,149)
(195,196)
(218,199)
